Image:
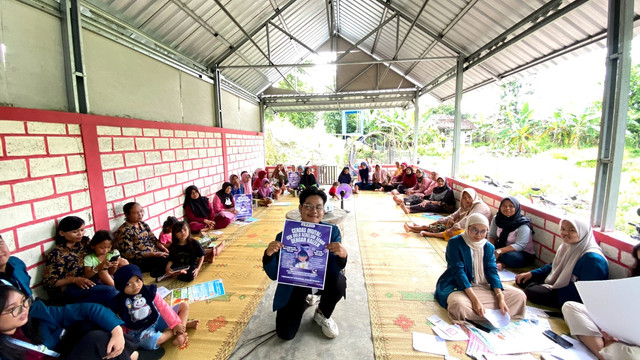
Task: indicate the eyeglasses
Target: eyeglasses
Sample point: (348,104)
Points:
(308,206)
(475,231)
(17,310)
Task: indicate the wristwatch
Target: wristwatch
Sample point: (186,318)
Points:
(499,251)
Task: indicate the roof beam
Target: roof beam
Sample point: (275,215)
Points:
(331,102)
(500,43)
(250,37)
(398,47)
(355,77)
(291,37)
(375,41)
(382,24)
(363,62)
(233,48)
(424,29)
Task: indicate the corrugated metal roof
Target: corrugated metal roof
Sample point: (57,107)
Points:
(205,32)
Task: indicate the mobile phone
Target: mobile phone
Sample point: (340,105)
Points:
(486,328)
(180,268)
(557,339)
(114,258)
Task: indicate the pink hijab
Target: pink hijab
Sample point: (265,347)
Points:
(265,192)
(246,183)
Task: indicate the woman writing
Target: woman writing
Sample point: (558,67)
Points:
(512,235)
(471,283)
(579,258)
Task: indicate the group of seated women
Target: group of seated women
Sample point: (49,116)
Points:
(479,245)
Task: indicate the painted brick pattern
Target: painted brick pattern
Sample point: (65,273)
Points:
(244,152)
(42,179)
(154,166)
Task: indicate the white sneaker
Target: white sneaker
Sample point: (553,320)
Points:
(313,299)
(329,327)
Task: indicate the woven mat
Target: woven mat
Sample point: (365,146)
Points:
(401,271)
(223,319)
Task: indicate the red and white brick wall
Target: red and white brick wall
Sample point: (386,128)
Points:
(55,164)
(244,152)
(616,247)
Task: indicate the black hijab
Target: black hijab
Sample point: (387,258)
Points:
(439,189)
(344,178)
(511,223)
(308,180)
(224,196)
(199,206)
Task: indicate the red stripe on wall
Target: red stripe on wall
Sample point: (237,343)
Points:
(94,176)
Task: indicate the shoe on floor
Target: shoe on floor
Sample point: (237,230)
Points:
(313,299)
(329,327)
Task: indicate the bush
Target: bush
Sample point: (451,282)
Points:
(586,163)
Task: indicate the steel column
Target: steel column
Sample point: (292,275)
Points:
(615,103)
(217,98)
(457,122)
(416,126)
(77,96)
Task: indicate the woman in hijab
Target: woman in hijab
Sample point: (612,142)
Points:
(279,180)
(308,179)
(264,193)
(198,211)
(363,174)
(224,206)
(409,180)
(379,178)
(236,187)
(471,283)
(511,233)
(422,184)
(345,177)
(579,258)
(245,183)
(258,181)
(441,200)
(452,225)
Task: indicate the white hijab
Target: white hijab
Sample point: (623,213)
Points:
(476,247)
(569,254)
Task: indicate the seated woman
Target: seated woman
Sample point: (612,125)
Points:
(224,206)
(13,270)
(198,211)
(259,175)
(345,176)
(264,194)
(441,200)
(419,192)
(471,283)
(397,174)
(601,344)
(363,176)
(32,330)
(454,224)
(422,184)
(236,187)
(279,180)
(307,179)
(245,183)
(138,244)
(409,180)
(512,235)
(579,258)
(380,178)
(63,276)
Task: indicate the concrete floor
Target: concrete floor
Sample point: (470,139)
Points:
(351,315)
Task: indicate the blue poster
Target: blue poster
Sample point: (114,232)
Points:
(303,259)
(294,180)
(244,205)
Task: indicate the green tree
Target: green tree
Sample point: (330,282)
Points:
(633,115)
(520,130)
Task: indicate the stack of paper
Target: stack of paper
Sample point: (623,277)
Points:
(197,292)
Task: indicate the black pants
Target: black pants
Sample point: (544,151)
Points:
(538,294)
(154,265)
(93,345)
(289,317)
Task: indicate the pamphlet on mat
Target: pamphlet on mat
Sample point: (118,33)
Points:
(516,338)
(495,317)
(506,275)
(246,221)
(429,344)
(197,292)
(304,256)
(446,331)
(281,203)
(577,352)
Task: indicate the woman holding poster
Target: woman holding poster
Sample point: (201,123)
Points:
(291,301)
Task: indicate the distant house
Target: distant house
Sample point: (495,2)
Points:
(444,124)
